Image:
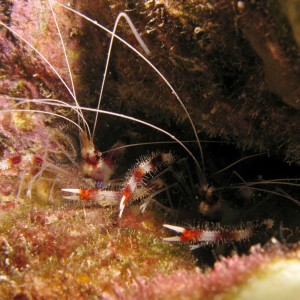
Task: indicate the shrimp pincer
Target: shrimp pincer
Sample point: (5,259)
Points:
(217,235)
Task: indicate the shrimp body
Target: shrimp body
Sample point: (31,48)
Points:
(133,189)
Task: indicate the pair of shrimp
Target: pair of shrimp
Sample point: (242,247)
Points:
(101,168)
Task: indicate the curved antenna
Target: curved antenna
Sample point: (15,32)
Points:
(52,102)
(202,171)
(143,45)
(42,112)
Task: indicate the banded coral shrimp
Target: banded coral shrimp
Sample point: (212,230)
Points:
(204,188)
(89,154)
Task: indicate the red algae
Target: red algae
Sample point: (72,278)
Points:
(226,278)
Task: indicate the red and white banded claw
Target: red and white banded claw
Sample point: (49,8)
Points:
(220,235)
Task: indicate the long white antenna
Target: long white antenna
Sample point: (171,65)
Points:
(53,102)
